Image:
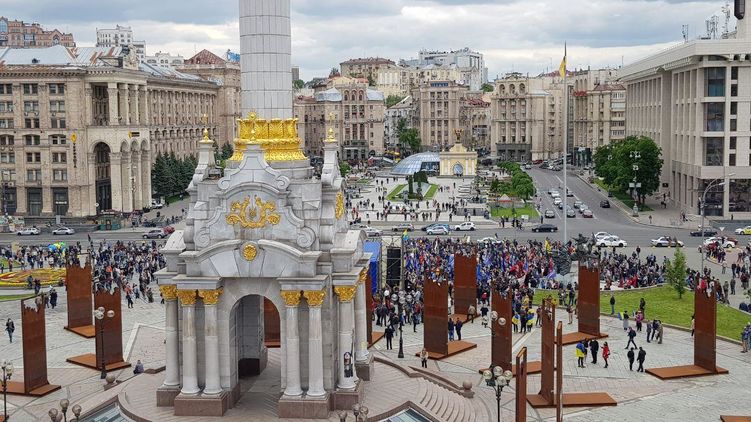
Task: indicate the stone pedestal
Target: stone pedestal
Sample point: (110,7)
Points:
(304,407)
(366,369)
(345,399)
(202,405)
(165,396)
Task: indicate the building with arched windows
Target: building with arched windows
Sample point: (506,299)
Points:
(80,128)
(19,34)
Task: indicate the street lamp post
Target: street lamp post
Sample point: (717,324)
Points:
(7,374)
(99,314)
(498,379)
(502,322)
(712,184)
(62,414)
(400,300)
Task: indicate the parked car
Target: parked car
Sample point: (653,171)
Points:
(155,234)
(372,232)
(570,213)
(401,227)
(169,229)
(438,230)
(549,214)
(545,228)
(706,232)
(727,242)
(666,241)
(29,231)
(743,230)
(610,241)
(63,231)
(465,226)
(604,203)
(528,166)
(587,213)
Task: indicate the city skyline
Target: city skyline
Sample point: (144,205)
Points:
(329,31)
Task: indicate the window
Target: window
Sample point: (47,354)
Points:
(733,125)
(6,106)
(33,157)
(7,158)
(6,140)
(734,73)
(731,160)
(57,106)
(60,175)
(740,195)
(734,90)
(33,175)
(6,89)
(58,123)
(6,123)
(733,108)
(733,142)
(715,115)
(8,175)
(30,89)
(31,140)
(57,89)
(31,123)
(58,139)
(713,152)
(715,80)
(31,106)
(59,157)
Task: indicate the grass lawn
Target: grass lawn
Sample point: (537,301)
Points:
(621,196)
(663,304)
(431,192)
(506,212)
(14,297)
(394,195)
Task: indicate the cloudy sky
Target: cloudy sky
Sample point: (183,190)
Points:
(514,35)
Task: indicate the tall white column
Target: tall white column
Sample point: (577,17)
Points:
(361,327)
(190,363)
(211,341)
(315,343)
(292,344)
(347,374)
(172,370)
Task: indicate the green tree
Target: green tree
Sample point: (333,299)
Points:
(615,164)
(371,81)
(409,137)
(334,72)
(486,87)
(159,176)
(344,168)
(411,185)
(227,151)
(298,84)
(675,272)
(393,100)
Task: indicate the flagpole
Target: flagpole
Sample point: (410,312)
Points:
(565,145)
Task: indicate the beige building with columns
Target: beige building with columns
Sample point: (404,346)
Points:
(79,129)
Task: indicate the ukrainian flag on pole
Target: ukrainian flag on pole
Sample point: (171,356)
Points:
(562,69)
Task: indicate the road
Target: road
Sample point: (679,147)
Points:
(47,238)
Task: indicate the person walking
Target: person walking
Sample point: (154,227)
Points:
(570,312)
(639,318)
(53,297)
(640,358)
(389,337)
(630,355)
(580,354)
(451,329)
(605,353)
(415,321)
(471,314)
(612,304)
(631,336)
(693,324)
(10,327)
(659,332)
(655,325)
(594,346)
(424,357)
(625,320)
(458,326)
(649,330)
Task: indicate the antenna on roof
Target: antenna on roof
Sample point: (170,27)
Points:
(684,31)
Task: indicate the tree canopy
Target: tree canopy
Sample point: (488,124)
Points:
(170,175)
(520,185)
(393,100)
(298,84)
(675,272)
(614,163)
(486,87)
(409,137)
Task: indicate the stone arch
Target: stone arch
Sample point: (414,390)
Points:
(360,95)
(346,95)
(102,175)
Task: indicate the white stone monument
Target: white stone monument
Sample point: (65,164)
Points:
(266,229)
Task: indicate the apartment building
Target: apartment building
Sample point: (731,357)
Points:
(79,129)
(19,34)
(405,109)
(355,112)
(364,67)
(694,100)
(120,36)
(438,105)
(527,118)
(474,121)
(161,59)
(599,112)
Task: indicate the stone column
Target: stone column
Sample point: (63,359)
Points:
(315,343)
(361,327)
(136,106)
(136,162)
(127,185)
(172,371)
(144,105)
(88,118)
(347,376)
(146,177)
(190,363)
(113,104)
(210,300)
(116,180)
(292,344)
(125,103)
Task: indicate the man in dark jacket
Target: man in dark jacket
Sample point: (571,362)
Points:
(630,355)
(594,346)
(458,326)
(640,358)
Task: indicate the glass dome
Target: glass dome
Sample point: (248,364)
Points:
(427,161)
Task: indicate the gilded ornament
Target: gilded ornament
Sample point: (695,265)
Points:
(363,276)
(278,138)
(210,297)
(291,297)
(345,293)
(314,297)
(169,291)
(238,154)
(187,297)
(254,218)
(339,209)
(250,252)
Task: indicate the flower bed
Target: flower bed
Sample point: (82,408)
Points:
(17,279)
